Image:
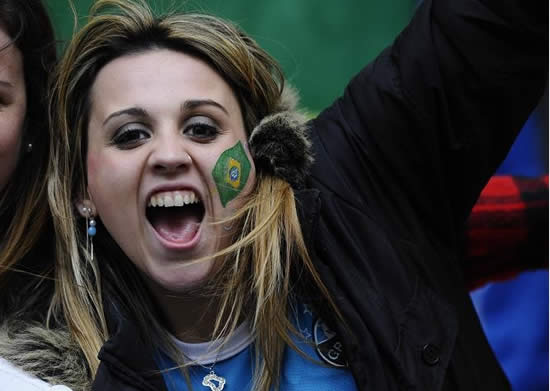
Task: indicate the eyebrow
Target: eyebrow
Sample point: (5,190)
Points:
(187,105)
(194,103)
(135,111)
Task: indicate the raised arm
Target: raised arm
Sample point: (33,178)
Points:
(419,131)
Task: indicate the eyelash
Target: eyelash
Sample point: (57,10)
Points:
(131,136)
(210,130)
(122,141)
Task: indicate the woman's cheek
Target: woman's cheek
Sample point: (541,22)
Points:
(231,172)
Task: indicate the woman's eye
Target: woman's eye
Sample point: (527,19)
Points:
(203,130)
(5,101)
(130,137)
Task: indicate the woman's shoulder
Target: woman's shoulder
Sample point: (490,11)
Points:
(13,378)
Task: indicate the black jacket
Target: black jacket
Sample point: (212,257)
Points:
(400,159)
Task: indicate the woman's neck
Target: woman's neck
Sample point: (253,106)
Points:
(189,316)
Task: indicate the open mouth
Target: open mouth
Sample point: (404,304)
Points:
(176,216)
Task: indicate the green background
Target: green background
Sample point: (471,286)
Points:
(320,44)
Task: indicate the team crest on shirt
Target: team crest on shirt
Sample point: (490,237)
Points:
(328,345)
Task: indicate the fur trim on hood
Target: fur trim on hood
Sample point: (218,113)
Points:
(279,143)
(48,354)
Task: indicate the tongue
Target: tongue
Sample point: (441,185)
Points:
(174,224)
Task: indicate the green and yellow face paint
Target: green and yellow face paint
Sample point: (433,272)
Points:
(231,172)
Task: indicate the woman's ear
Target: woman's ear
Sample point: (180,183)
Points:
(86,208)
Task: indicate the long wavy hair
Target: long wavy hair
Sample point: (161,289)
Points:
(24,212)
(257,283)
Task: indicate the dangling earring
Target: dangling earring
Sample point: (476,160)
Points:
(29,147)
(90,231)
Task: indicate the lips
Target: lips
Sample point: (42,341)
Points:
(175,216)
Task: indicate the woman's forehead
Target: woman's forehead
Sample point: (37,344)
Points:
(169,74)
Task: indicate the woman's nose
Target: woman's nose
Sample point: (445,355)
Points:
(170,154)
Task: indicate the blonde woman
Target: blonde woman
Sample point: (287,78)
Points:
(209,238)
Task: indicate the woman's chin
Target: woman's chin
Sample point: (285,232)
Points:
(182,278)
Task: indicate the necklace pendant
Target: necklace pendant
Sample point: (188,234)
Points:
(215,382)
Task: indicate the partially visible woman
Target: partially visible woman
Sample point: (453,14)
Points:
(27,57)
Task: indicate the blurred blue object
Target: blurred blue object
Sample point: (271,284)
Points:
(514,314)
(529,153)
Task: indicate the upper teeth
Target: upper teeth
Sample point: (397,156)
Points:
(174,198)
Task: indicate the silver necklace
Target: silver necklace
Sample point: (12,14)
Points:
(211,380)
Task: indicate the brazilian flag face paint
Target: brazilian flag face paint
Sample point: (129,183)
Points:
(231,172)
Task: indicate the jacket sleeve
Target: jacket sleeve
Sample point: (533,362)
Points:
(507,231)
(419,131)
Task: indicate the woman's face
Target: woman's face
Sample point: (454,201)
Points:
(13,106)
(165,129)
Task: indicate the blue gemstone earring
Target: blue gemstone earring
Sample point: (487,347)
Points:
(90,231)
(91,227)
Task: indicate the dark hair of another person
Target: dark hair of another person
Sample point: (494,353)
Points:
(24,213)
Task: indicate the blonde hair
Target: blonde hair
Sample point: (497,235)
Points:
(270,246)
